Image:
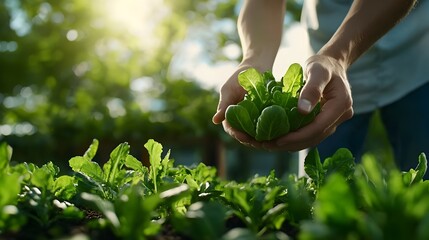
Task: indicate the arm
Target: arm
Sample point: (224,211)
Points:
(365,23)
(260,28)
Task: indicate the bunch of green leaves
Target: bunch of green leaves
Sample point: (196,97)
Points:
(203,220)
(105,181)
(376,204)
(125,192)
(122,193)
(139,200)
(259,203)
(341,162)
(33,198)
(269,109)
(335,200)
(193,200)
(10,188)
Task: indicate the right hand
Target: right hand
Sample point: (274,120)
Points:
(326,82)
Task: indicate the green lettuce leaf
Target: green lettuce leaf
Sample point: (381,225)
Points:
(272,123)
(253,82)
(313,166)
(293,80)
(239,118)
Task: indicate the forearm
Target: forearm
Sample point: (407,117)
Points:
(260,27)
(365,23)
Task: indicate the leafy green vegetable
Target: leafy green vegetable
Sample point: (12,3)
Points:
(415,176)
(341,162)
(202,220)
(239,118)
(272,123)
(105,206)
(313,166)
(293,80)
(337,205)
(259,203)
(123,199)
(158,167)
(10,188)
(251,108)
(86,166)
(117,159)
(269,109)
(5,155)
(368,202)
(64,187)
(253,82)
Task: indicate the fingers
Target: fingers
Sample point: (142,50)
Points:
(336,108)
(227,97)
(243,138)
(323,126)
(230,93)
(326,83)
(317,79)
(219,116)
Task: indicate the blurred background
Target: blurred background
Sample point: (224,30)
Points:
(128,71)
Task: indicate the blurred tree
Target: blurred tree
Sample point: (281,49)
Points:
(70,73)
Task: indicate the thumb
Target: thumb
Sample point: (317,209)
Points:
(312,91)
(219,116)
(224,102)
(229,95)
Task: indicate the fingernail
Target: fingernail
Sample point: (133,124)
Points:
(304,105)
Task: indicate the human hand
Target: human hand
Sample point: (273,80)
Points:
(230,94)
(326,82)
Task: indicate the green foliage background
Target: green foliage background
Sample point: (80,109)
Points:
(56,94)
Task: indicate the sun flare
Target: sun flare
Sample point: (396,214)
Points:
(138,17)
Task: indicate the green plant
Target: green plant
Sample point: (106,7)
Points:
(269,109)
(123,199)
(371,203)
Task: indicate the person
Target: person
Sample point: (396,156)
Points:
(369,55)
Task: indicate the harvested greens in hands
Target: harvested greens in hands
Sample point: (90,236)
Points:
(269,109)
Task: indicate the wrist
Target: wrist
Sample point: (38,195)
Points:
(257,63)
(341,57)
(327,62)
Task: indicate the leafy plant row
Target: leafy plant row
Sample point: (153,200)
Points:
(122,199)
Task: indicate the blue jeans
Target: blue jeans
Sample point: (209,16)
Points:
(407,125)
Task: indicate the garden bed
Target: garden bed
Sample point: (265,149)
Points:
(125,200)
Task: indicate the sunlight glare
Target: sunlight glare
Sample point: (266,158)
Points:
(138,17)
